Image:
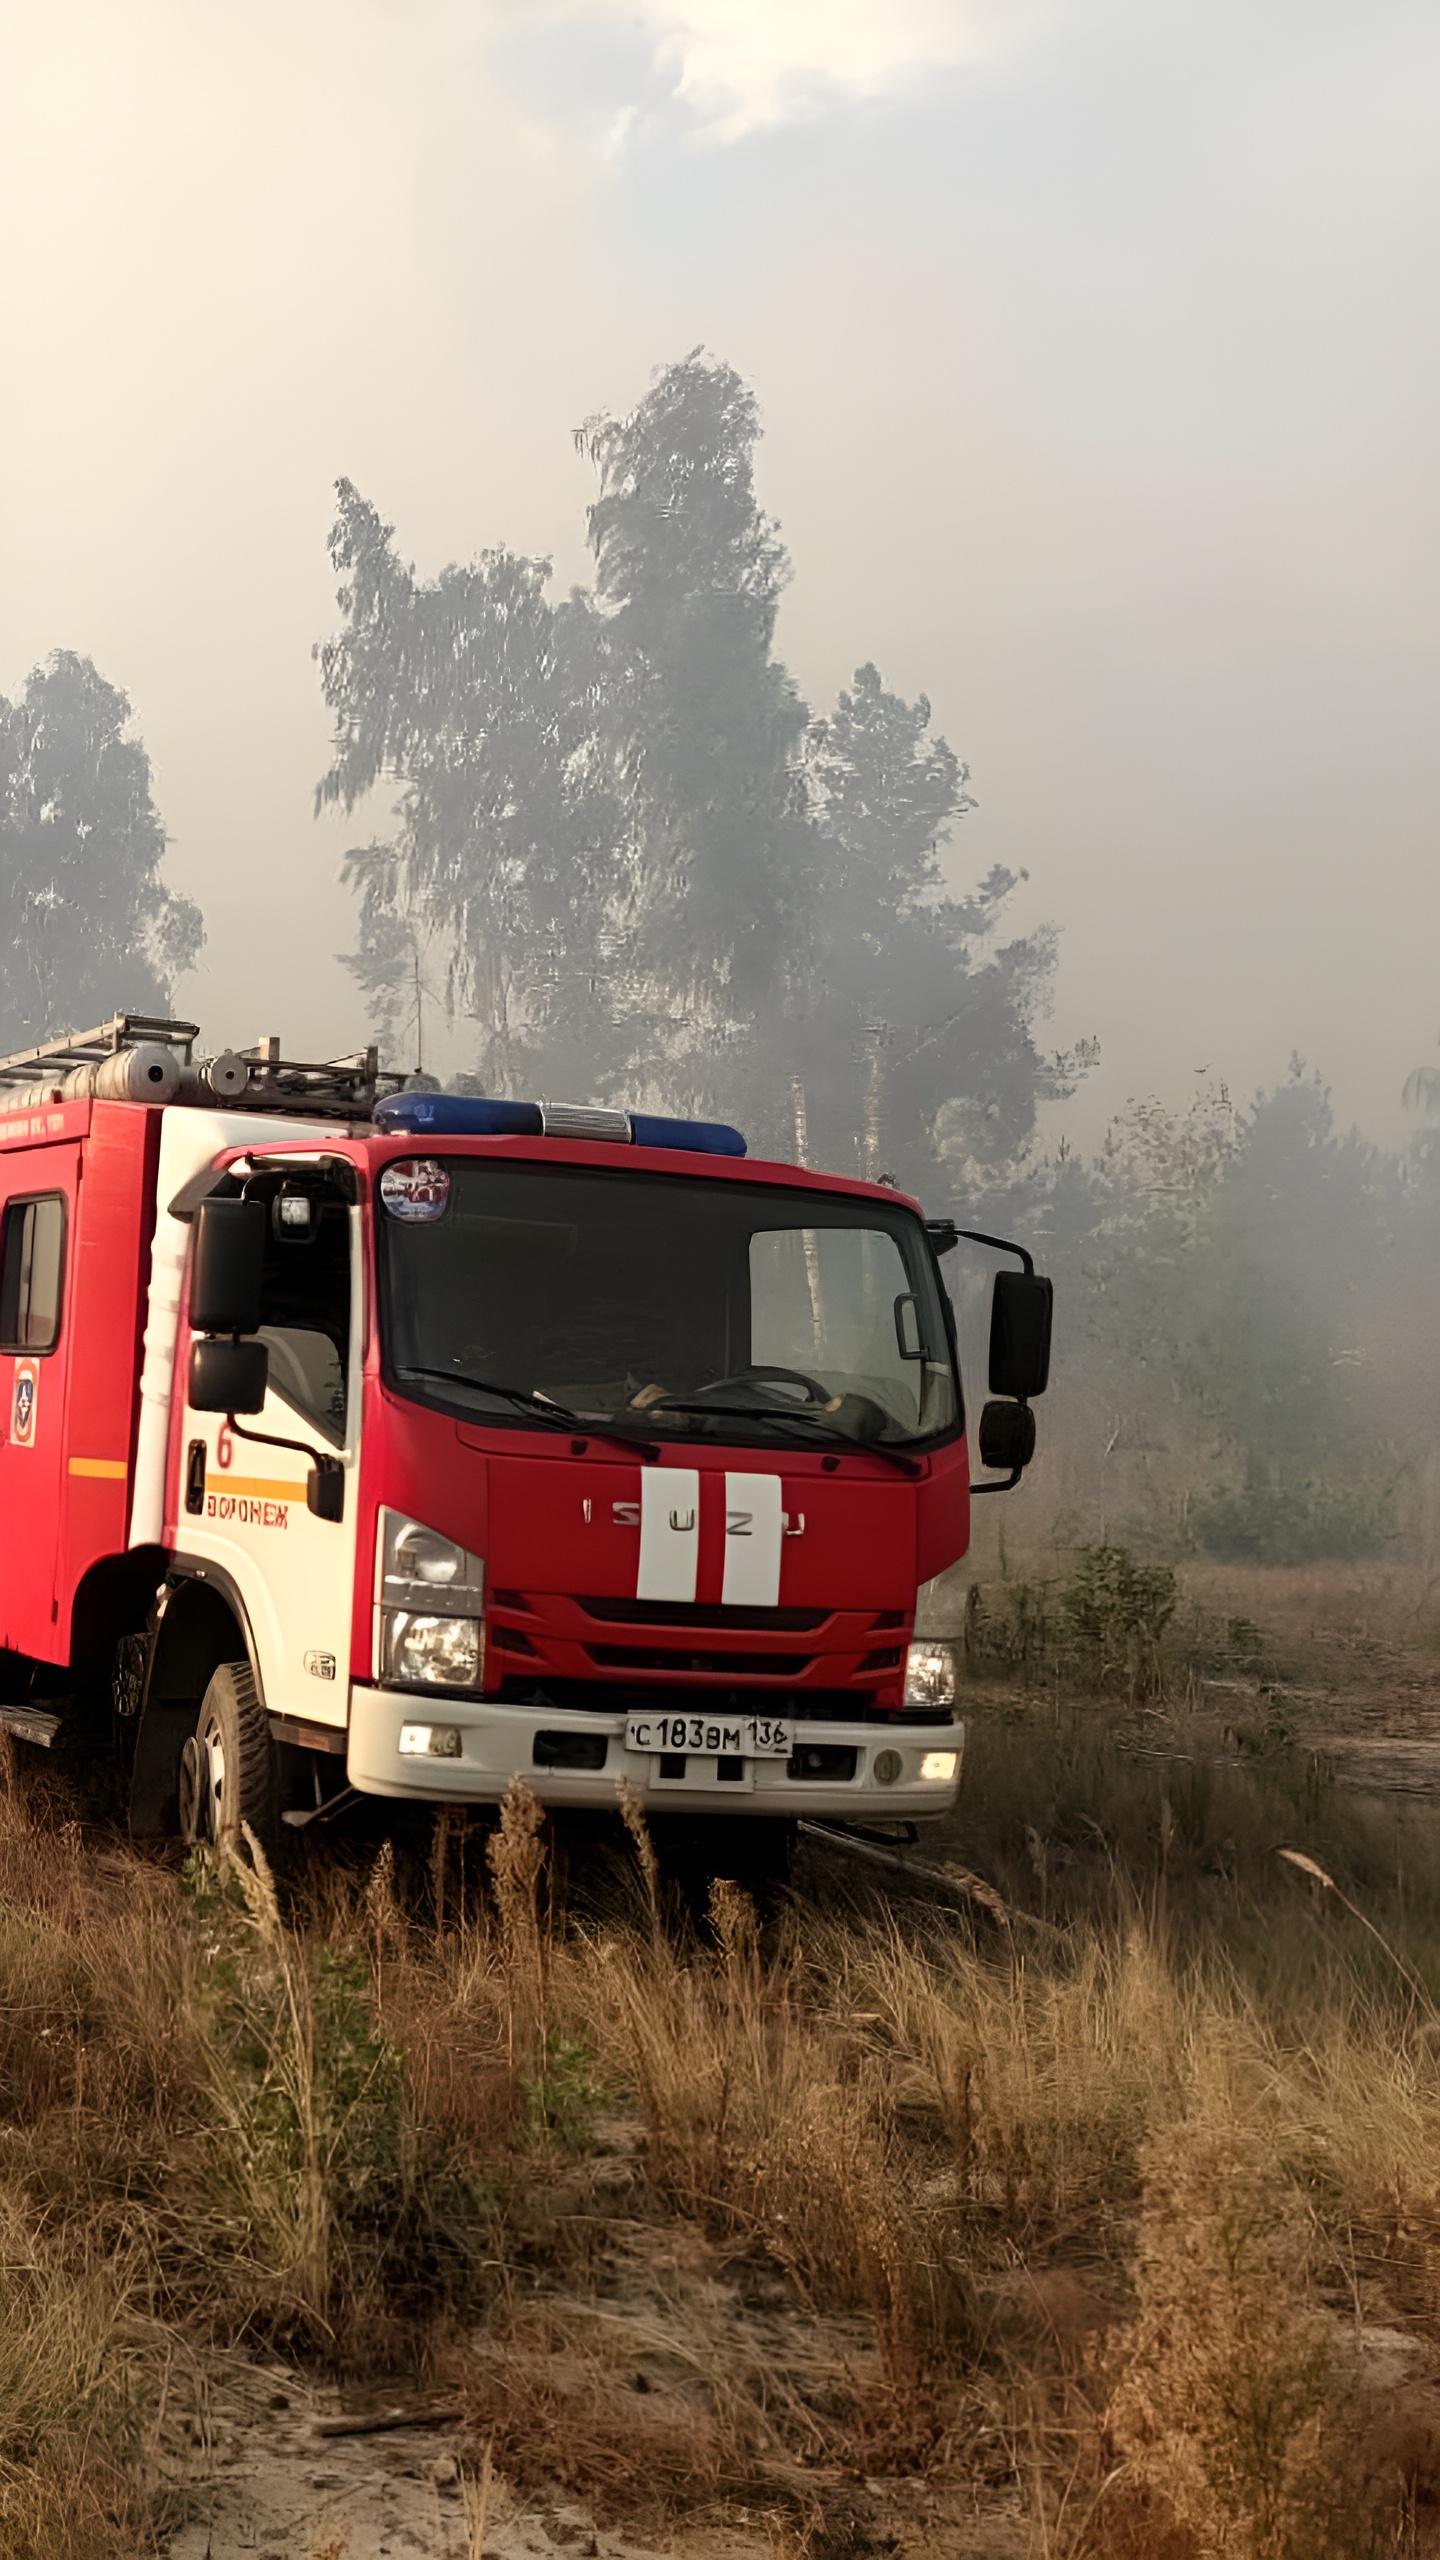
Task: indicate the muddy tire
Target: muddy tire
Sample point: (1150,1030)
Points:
(228,1766)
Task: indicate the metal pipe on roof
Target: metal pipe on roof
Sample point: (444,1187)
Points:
(147,1073)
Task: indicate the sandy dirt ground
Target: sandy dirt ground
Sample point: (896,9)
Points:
(261,2484)
(265,2486)
(667,2326)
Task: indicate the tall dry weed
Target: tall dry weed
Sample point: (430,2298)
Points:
(632,1814)
(516,1856)
(82,2374)
(267,2084)
(1235,2430)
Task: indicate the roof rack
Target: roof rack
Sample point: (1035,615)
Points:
(138,1057)
(337,1088)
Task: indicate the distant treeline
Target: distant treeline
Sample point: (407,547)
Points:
(1247,1359)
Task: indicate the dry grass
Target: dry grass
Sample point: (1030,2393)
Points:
(727,2219)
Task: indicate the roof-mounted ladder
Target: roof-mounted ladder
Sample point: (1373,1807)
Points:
(91,1048)
(138,1057)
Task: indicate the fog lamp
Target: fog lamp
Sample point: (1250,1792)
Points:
(433,1652)
(930,1675)
(438,1741)
(886,1766)
(939,1765)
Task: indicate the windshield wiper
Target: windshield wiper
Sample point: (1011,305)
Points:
(542,1408)
(782,1413)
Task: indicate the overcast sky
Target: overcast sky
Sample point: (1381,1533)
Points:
(1096,346)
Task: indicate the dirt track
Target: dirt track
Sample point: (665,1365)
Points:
(1353,1653)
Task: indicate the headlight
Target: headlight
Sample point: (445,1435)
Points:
(422,1555)
(930,1675)
(431,1613)
(421,1570)
(439,1653)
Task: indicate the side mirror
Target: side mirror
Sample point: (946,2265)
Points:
(228,1377)
(1006,1436)
(907,1328)
(1021,1311)
(227,1270)
(325,1489)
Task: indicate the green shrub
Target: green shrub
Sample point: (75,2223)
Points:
(1116,1612)
(1011,1627)
(1103,1628)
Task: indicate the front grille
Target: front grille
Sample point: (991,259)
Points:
(685,1613)
(570,1750)
(803,1706)
(755,1666)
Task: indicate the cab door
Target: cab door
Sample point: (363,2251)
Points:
(38,1199)
(242,1494)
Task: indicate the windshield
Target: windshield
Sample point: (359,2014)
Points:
(666,1305)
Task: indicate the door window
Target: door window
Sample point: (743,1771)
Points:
(305,1301)
(32,1269)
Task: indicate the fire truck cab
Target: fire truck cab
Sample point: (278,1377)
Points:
(367,1442)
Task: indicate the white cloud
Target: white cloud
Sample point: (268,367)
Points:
(746,66)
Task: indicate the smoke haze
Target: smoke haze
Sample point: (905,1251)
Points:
(1099,405)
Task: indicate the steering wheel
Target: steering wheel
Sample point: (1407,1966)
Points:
(763,1375)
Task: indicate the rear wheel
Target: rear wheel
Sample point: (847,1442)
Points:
(228,1770)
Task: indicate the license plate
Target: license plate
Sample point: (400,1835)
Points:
(711,1737)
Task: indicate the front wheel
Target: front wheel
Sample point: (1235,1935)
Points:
(228,1773)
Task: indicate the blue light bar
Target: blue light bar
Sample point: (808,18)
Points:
(692,1137)
(460,1115)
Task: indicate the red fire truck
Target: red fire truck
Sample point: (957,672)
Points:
(364,1442)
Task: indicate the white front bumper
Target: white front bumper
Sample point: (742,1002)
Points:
(497,1743)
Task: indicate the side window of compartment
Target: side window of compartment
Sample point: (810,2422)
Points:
(32,1273)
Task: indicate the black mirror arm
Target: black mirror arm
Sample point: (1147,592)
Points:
(1001,1244)
(272,1440)
(324,1461)
(944,1236)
